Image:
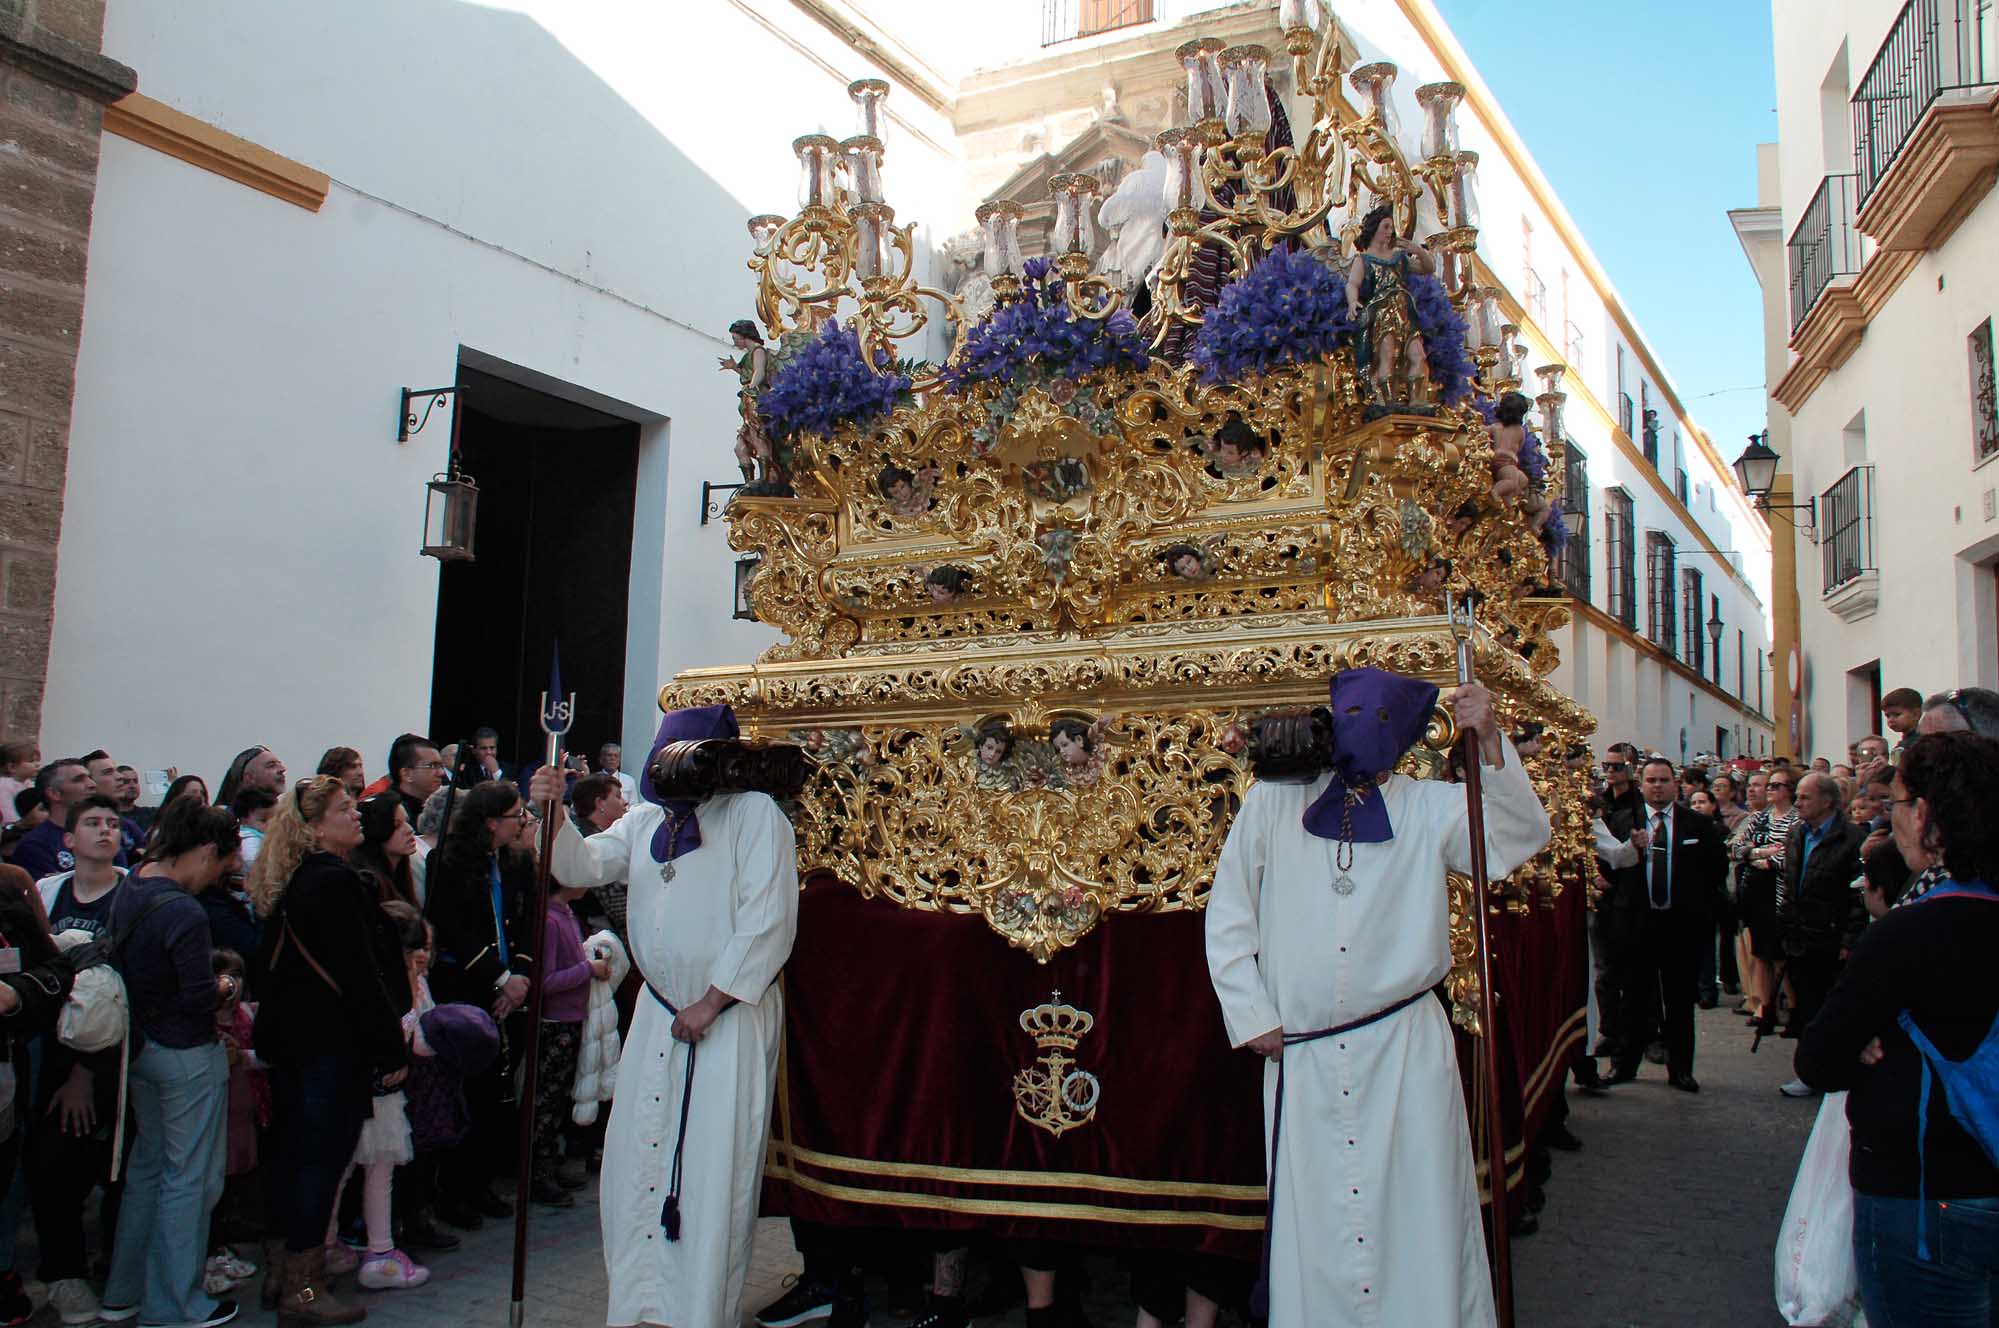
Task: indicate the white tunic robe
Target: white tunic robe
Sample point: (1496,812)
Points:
(1377,1215)
(726,920)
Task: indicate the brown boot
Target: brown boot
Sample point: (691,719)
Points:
(306,1300)
(275,1261)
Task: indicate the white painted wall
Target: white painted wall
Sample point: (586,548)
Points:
(563,191)
(1936,526)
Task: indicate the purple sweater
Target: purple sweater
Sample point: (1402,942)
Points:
(565,999)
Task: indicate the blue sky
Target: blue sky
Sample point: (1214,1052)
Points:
(1645,116)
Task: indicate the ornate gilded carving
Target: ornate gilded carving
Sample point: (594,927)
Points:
(1028,614)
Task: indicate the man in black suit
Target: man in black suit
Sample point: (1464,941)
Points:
(1816,899)
(1682,865)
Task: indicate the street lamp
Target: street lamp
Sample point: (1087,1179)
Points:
(1715,626)
(1756,472)
(1756,468)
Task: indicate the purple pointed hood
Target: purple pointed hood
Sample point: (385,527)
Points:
(693,724)
(1377,716)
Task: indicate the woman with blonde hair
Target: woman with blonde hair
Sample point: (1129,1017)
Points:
(329,1027)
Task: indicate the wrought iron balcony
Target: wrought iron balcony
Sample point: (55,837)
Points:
(1846,522)
(1824,245)
(1933,47)
(1066,20)
(1537,298)
(1574,568)
(1627,415)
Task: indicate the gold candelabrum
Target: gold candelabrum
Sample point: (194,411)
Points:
(1028,623)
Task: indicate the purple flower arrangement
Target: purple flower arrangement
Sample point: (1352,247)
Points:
(829,383)
(1443,330)
(1038,332)
(1288,309)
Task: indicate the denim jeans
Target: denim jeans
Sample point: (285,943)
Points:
(1953,1288)
(317,1107)
(173,1179)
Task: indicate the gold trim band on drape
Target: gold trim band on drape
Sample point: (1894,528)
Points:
(1064,1180)
(1152,1217)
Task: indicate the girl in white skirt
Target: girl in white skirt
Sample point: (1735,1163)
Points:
(385,1137)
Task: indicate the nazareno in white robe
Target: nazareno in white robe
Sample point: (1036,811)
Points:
(727,919)
(1377,1214)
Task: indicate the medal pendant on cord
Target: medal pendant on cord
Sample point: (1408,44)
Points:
(666,871)
(1343,884)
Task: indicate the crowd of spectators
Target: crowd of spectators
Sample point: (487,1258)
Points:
(326,980)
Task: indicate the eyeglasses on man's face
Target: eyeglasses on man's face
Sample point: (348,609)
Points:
(1613,767)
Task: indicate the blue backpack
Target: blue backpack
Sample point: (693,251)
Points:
(1970,1086)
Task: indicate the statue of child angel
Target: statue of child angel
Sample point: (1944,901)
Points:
(752,370)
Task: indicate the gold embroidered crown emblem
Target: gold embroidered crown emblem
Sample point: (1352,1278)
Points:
(1052,1025)
(1052,1094)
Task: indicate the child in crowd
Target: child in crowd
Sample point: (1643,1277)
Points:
(385,1138)
(565,1004)
(249,1111)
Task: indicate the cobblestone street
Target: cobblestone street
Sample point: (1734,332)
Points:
(1664,1219)
(1669,1214)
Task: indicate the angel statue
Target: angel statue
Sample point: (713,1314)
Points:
(1378,299)
(752,370)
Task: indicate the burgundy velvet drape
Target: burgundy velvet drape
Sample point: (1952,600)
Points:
(895,1103)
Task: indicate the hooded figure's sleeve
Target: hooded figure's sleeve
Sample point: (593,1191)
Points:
(585,863)
(1235,935)
(765,897)
(1516,824)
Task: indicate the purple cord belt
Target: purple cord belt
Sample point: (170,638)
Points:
(1259,1296)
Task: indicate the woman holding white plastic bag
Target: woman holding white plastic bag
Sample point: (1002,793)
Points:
(1925,1190)
(1816,1281)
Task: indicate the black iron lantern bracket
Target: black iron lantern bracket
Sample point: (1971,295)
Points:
(408,423)
(712,506)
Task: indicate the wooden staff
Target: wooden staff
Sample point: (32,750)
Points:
(1495,1123)
(556,717)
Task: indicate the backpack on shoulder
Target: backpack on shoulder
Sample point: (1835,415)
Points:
(98,1014)
(1970,1086)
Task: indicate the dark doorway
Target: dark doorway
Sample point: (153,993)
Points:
(557,482)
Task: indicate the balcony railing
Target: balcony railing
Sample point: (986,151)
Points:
(1572,346)
(1066,20)
(1574,568)
(1627,415)
(1846,520)
(1824,245)
(1537,298)
(1935,45)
